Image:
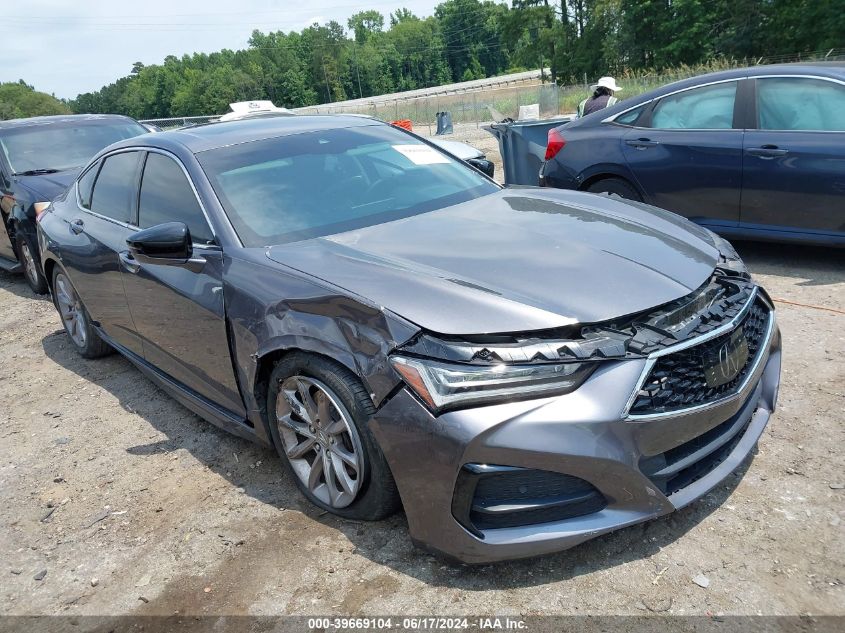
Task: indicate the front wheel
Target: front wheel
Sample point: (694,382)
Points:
(75,318)
(318,419)
(27,254)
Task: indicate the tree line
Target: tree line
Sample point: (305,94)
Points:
(18,99)
(469,39)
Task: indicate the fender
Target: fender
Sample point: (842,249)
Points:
(272,309)
(22,224)
(599,171)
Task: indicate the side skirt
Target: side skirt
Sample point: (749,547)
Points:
(10,266)
(775,234)
(203,407)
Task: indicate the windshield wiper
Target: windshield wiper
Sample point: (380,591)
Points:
(36,172)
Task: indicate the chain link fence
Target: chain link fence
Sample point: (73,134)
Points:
(484,104)
(476,106)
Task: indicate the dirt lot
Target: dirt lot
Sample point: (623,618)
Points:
(116,500)
(477,137)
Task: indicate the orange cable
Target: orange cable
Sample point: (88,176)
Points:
(806,305)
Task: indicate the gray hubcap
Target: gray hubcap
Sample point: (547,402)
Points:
(71,311)
(29,263)
(320,440)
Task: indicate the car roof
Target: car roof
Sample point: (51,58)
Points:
(832,69)
(208,136)
(61,119)
(824,69)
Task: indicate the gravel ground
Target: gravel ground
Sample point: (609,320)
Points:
(473,135)
(116,500)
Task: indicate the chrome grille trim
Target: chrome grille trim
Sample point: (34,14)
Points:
(724,329)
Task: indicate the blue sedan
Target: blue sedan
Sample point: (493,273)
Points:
(754,153)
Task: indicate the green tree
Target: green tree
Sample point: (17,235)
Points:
(803,26)
(19,99)
(420,54)
(366,23)
(467,39)
(472,32)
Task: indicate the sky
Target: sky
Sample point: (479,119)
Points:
(67,47)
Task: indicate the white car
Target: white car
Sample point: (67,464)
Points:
(253,110)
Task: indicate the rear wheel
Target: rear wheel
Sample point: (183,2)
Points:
(75,318)
(615,187)
(31,270)
(318,418)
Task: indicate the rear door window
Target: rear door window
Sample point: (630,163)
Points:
(630,118)
(800,104)
(116,187)
(704,108)
(167,196)
(86,185)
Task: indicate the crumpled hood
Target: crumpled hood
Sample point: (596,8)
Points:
(521,259)
(48,186)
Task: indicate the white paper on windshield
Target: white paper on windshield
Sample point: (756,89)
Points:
(421,154)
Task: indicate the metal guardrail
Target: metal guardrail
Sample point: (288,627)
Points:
(180,121)
(531,77)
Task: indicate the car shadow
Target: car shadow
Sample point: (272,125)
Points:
(182,428)
(611,550)
(387,542)
(16,284)
(816,265)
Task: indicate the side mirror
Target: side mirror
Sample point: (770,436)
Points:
(483,165)
(168,241)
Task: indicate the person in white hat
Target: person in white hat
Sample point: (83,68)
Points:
(602,97)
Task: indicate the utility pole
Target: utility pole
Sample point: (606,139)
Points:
(357,71)
(328,89)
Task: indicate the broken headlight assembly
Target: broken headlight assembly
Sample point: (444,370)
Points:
(444,386)
(729,260)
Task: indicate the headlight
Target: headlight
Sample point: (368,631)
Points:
(451,386)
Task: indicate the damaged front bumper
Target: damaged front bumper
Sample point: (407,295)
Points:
(528,478)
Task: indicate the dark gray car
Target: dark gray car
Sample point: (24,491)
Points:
(39,157)
(519,369)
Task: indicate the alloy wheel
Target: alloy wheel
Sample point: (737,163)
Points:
(70,309)
(29,266)
(320,440)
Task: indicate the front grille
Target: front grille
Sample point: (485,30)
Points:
(489,497)
(683,465)
(678,380)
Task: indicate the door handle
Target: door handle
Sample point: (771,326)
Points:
(767,152)
(77,226)
(641,143)
(129,263)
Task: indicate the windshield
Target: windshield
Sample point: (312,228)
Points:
(62,145)
(318,183)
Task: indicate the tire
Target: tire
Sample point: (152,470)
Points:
(75,318)
(331,423)
(27,256)
(616,187)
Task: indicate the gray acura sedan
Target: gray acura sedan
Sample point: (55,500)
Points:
(519,369)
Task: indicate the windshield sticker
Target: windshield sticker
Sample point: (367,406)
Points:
(421,154)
